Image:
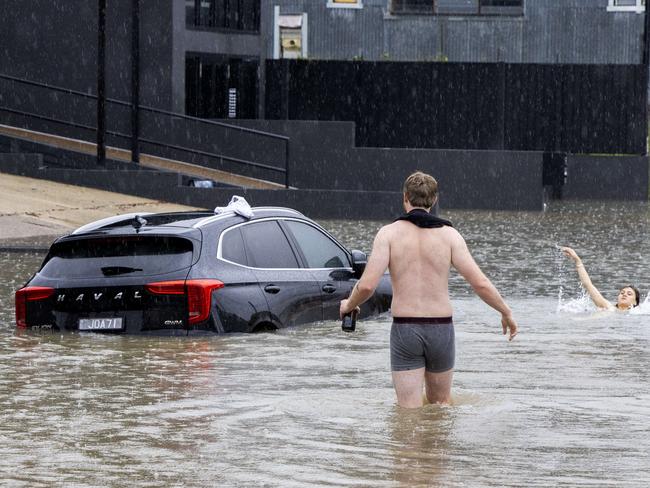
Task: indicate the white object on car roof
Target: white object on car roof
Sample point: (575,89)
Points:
(237,204)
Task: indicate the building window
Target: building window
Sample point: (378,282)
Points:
(637,6)
(458,7)
(412,7)
(240,15)
(221,87)
(344,4)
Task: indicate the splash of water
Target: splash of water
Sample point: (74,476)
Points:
(578,305)
(582,304)
(559,265)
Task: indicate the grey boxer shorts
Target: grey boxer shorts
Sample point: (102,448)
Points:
(422,342)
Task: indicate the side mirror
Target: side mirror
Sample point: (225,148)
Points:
(359,261)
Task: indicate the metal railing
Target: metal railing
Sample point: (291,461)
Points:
(172,115)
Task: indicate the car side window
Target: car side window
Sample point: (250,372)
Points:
(232,247)
(267,246)
(319,250)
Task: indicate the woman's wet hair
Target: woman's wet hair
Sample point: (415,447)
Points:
(637,294)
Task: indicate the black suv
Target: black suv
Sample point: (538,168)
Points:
(190,273)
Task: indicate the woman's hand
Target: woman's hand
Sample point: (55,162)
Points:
(571,254)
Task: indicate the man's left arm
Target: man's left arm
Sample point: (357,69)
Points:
(377,264)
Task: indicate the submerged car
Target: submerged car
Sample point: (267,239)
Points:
(192,273)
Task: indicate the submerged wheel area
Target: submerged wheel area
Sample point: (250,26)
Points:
(264,327)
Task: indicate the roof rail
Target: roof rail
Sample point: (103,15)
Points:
(230,213)
(213,218)
(287,209)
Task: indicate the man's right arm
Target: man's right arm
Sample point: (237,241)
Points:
(377,264)
(462,260)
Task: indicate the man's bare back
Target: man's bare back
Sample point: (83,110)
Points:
(419,258)
(419,262)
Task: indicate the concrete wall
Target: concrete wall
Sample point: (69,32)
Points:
(325,158)
(468,180)
(165,187)
(607,178)
(360,205)
(325,162)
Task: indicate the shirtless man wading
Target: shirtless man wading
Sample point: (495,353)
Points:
(418,250)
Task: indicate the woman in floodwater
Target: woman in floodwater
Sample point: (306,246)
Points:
(628,296)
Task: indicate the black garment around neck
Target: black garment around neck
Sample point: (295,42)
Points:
(423,219)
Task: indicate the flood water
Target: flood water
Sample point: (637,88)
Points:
(565,404)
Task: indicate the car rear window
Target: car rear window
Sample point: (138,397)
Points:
(233,247)
(118,256)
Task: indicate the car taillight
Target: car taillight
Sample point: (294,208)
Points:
(29,294)
(199,295)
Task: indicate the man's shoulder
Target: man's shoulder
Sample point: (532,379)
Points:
(400,225)
(393,228)
(402,231)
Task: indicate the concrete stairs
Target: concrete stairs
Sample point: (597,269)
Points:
(147,161)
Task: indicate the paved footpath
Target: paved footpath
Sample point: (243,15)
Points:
(35,212)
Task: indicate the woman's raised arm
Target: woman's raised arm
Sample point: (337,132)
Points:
(595,295)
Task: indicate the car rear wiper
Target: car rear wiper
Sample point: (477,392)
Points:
(117,270)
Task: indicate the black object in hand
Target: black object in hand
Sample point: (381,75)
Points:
(349,323)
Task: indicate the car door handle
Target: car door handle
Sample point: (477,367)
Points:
(273,289)
(329,288)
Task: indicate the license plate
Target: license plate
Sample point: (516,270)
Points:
(102,323)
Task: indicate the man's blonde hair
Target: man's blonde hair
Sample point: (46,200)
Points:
(421,189)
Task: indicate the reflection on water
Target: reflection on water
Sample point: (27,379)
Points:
(565,404)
